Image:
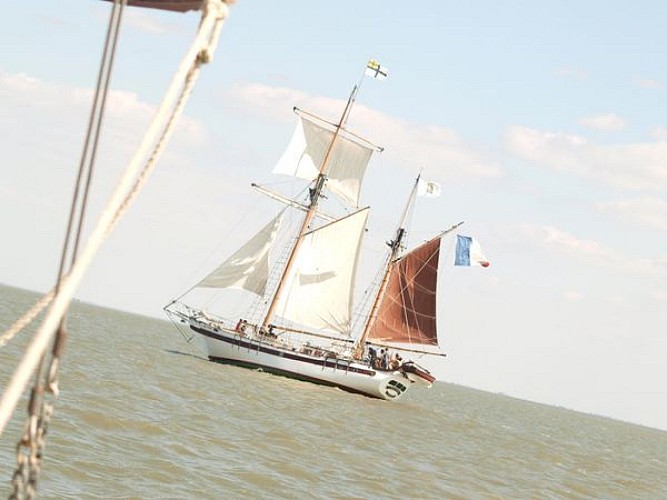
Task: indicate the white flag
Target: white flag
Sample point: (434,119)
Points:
(429,189)
(374,69)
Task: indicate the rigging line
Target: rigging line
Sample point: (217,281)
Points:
(33,312)
(214,299)
(427,262)
(204,264)
(40,409)
(408,283)
(396,247)
(61,334)
(290,202)
(413,311)
(149,166)
(315,195)
(27,318)
(215,12)
(98,128)
(370,293)
(312,334)
(114,19)
(191,78)
(405,349)
(188,339)
(346,132)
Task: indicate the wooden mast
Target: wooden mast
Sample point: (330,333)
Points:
(315,193)
(395,245)
(359,347)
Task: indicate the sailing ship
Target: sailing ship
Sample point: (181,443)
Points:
(303,325)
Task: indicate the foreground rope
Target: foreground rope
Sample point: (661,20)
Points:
(27,318)
(214,14)
(29,449)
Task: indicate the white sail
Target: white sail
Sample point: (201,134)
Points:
(306,152)
(248,268)
(318,291)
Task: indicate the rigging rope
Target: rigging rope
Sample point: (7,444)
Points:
(30,447)
(27,317)
(214,13)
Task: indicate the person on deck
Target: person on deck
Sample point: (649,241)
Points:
(385,359)
(394,361)
(372,357)
(378,361)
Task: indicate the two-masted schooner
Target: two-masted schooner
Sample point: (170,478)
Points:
(304,327)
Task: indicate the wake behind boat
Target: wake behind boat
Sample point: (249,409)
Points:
(301,324)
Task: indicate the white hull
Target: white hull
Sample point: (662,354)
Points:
(227,346)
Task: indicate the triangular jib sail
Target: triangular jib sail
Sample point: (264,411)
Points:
(248,268)
(346,165)
(407,311)
(319,286)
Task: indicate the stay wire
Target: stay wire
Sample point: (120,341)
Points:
(29,449)
(93,133)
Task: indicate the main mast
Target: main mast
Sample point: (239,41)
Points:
(395,245)
(315,194)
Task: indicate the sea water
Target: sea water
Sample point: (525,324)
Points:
(143,414)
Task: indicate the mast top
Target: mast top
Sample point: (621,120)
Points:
(373,69)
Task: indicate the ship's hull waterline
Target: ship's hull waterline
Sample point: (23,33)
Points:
(230,347)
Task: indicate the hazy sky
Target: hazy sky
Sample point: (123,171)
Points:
(544,122)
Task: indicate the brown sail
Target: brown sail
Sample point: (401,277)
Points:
(407,310)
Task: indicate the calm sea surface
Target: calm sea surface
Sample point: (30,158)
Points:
(143,415)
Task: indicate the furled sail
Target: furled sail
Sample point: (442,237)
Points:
(319,287)
(346,166)
(248,268)
(407,311)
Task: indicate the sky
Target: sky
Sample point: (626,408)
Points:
(544,123)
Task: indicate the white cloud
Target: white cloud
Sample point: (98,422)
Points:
(558,239)
(143,21)
(573,295)
(659,133)
(648,83)
(608,121)
(646,211)
(567,72)
(406,143)
(615,300)
(150,21)
(641,166)
(52,20)
(588,251)
(125,116)
(43,125)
